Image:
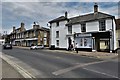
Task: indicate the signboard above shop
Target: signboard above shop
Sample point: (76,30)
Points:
(83,35)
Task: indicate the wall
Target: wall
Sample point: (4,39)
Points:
(76,28)
(117,37)
(92,26)
(62,34)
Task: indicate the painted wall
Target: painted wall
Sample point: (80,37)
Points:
(117,37)
(76,28)
(62,34)
(92,26)
(108,24)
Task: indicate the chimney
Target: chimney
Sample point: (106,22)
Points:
(95,8)
(13,29)
(22,26)
(35,26)
(66,14)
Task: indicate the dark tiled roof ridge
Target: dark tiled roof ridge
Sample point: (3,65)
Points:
(89,14)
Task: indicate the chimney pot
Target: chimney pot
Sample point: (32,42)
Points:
(13,28)
(95,8)
(66,14)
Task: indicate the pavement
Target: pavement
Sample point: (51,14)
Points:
(99,55)
(8,71)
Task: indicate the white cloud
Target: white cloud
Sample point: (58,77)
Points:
(42,12)
(59,1)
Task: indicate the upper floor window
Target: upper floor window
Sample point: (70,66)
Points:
(83,27)
(70,29)
(102,26)
(57,34)
(57,23)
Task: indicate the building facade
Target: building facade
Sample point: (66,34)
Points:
(118,32)
(93,31)
(22,37)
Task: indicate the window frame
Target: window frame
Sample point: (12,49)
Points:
(70,29)
(57,43)
(57,34)
(102,25)
(83,27)
(106,43)
(118,43)
(57,24)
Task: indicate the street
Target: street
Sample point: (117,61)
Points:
(44,64)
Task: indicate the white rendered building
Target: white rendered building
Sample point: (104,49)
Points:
(94,31)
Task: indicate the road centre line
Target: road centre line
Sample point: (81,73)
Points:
(62,71)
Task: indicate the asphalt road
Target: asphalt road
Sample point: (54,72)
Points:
(43,64)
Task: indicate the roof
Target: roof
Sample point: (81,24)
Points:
(88,17)
(61,18)
(117,24)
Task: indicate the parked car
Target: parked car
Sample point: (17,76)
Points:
(36,47)
(7,46)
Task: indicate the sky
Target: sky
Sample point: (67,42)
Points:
(13,13)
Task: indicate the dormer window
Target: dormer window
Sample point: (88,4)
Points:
(57,24)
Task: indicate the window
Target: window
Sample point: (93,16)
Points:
(85,42)
(102,26)
(57,34)
(83,27)
(70,29)
(119,43)
(106,43)
(57,24)
(81,42)
(57,42)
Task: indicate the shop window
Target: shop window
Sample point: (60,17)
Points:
(83,27)
(57,42)
(106,43)
(119,43)
(85,42)
(81,42)
(102,26)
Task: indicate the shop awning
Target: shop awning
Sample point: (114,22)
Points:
(31,39)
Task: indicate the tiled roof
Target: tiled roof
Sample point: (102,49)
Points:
(88,17)
(58,19)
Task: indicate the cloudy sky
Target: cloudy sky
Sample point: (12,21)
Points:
(13,13)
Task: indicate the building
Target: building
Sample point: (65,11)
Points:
(2,40)
(37,35)
(94,31)
(118,32)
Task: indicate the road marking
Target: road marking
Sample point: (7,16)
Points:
(101,73)
(22,71)
(62,71)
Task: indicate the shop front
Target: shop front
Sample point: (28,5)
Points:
(95,41)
